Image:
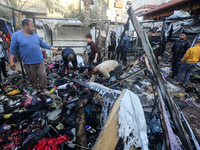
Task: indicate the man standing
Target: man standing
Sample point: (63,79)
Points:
(28,44)
(189,61)
(158,33)
(112,45)
(68,54)
(124,48)
(91,50)
(178,50)
(156,45)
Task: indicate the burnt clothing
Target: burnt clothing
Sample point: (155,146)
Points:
(180,47)
(91,50)
(65,54)
(155,42)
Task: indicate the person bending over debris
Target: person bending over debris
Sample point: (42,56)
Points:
(68,54)
(178,50)
(155,42)
(91,50)
(28,44)
(189,61)
(106,69)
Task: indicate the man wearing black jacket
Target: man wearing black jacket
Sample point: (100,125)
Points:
(178,50)
(68,55)
(156,45)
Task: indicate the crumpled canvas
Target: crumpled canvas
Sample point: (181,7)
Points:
(132,122)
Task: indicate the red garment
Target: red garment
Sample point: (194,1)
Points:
(14,140)
(49,144)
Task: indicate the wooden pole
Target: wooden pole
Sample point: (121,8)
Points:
(168,100)
(34,24)
(80,128)
(80,122)
(13,17)
(108,138)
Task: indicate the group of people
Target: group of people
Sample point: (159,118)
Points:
(27,44)
(122,48)
(184,58)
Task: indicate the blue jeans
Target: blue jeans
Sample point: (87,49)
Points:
(185,68)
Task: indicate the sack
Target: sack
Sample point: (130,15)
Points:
(4,45)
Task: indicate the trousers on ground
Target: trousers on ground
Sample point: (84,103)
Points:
(34,71)
(185,68)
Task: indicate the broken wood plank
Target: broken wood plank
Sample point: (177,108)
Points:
(168,100)
(80,128)
(81,122)
(108,138)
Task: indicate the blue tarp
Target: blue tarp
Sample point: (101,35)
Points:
(5,26)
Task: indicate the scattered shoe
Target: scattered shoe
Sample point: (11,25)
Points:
(46,92)
(34,93)
(14,92)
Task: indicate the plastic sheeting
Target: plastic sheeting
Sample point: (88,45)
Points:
(132,122)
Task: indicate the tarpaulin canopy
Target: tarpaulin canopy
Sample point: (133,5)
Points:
(5,26)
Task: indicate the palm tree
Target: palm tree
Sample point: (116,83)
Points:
(52,6)
(16,4)
(87,4)
(101,4)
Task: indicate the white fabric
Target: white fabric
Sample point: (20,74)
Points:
(132,122)
(80,61)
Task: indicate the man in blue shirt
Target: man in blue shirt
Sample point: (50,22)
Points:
(28,44)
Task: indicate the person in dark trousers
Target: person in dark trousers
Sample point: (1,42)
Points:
(119,53)
(92,51)
(124,48)
(189,60)
(158,33)
(112,45)
(178,50)
(2,63)
(68,55)
(155,42)
(28,44)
